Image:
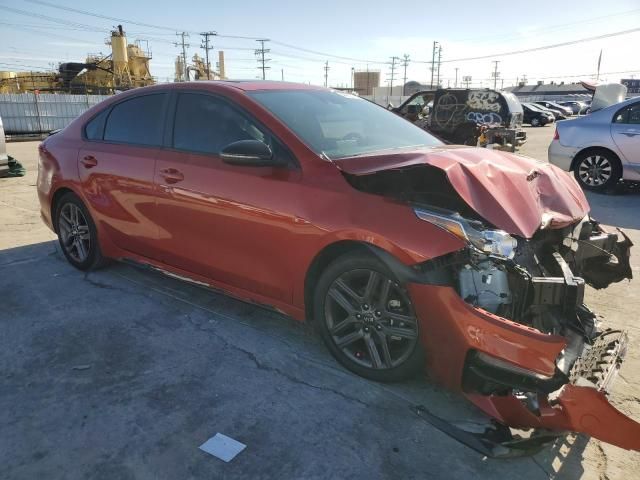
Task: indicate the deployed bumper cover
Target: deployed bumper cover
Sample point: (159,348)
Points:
(451,330)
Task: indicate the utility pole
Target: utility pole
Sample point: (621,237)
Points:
(282,74)
(326,73)
(456,84)
(405,64)
(496,73)
(262,60)
(393,71)
(206,47)
(439,61)
(184,45)
(353,78)
(524,79)
(433,62)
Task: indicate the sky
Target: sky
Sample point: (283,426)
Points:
(38,34)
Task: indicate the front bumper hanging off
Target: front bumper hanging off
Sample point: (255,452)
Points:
(452,329)
(578,406)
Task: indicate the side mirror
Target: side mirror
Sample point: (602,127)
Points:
(250,153)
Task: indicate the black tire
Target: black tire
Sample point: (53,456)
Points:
(597,170)
(84,231)
(377,323)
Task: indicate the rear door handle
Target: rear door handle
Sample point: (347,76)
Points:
(171,175)
(89,161)
(631,133)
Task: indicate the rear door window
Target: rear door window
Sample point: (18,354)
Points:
(138,121)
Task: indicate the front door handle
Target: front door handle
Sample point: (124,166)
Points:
(89,161)
(171,175)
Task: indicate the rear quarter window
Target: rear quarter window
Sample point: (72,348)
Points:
(94,129)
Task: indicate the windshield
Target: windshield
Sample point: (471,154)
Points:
(339,125)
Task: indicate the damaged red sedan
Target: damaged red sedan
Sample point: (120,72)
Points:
(406,253)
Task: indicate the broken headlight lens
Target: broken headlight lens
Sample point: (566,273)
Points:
(490,242)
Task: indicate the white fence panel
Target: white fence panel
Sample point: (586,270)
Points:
(26,113)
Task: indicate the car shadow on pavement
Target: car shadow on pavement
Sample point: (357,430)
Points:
(620,208)
(135,370)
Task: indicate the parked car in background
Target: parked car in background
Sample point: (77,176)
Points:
(578,108)
(405,253)
(600,148)
(566,111)
(535,116)
(557,114)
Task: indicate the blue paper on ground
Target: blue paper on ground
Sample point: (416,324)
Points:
(223,447)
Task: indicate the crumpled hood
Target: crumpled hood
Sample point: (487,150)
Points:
(511,191)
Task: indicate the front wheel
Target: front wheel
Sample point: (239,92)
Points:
(77,233)
(535,122)
(367,320)
(598,170)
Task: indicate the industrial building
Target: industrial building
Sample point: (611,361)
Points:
(550,91)
(364,81)
(127,66)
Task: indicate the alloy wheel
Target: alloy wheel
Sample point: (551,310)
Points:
(74,232)
(595,170)
(370,319)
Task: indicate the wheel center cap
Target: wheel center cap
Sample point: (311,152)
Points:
(368,317)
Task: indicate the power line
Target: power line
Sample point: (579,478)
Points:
(125,20)
(547,47)
(260,53)
(475,39)
(48,18)
(82,27)
(324,54)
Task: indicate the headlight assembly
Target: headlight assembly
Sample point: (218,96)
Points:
(491,242)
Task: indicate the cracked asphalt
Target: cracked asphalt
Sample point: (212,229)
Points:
(122,373)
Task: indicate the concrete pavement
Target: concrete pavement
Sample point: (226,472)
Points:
(123,373)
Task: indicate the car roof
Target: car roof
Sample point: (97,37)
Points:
(252,85)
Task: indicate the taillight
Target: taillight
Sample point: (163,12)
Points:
(556,135)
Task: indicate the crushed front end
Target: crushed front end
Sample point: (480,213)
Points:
(506,323)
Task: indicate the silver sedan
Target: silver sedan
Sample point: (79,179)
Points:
(601,148)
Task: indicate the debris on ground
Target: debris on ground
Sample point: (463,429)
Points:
(223,447)
(81,367)
(15,169)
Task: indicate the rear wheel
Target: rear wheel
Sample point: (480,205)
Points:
(77,233)
(597,170)
(367,319)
